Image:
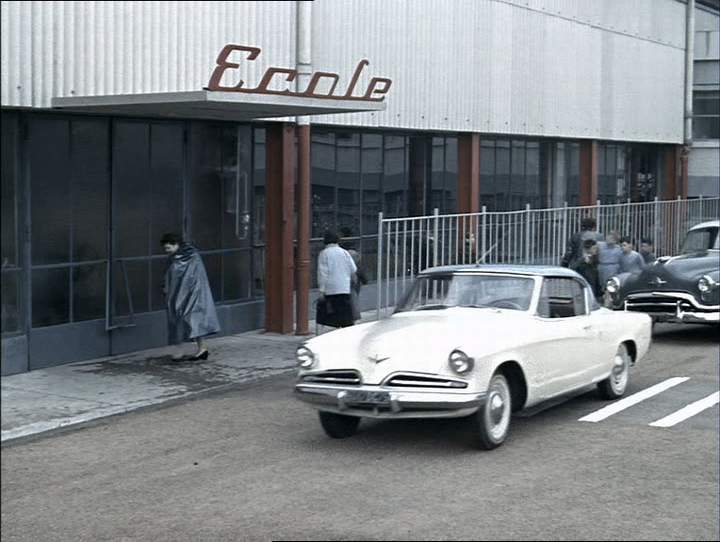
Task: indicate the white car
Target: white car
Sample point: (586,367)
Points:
(480,341)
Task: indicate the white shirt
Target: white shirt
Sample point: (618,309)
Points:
(335,269)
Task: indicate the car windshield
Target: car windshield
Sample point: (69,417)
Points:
(699,240)
(437,292)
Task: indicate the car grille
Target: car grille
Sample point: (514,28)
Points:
(658,304)
(335,376)
(423,381)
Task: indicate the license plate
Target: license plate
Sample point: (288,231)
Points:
(368,397)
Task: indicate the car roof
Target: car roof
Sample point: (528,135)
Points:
(710,224)
(533,270)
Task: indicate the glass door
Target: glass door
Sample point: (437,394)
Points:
(147,201)
(68,169)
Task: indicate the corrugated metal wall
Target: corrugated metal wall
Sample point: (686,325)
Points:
(93,48)
(608,69)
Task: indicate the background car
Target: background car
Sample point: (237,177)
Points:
(476,341)
(679,289)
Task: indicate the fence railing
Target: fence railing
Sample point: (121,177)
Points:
(528,236)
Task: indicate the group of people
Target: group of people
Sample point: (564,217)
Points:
(598,258)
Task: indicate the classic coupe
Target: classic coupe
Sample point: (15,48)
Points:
(478,341)
(679,289)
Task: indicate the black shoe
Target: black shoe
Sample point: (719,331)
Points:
(203,355)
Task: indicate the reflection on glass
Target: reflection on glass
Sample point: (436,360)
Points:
(436,292)
(49,167)
(11,315)
(50,303)
(88,292)
(236,273)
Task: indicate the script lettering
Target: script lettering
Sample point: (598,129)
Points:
(310,91)
(356,75)
(223,65)
(372,90)
(262,88)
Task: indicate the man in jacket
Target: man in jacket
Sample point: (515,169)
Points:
(574,252)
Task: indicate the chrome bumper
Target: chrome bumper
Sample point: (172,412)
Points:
(669,308)
(414,403)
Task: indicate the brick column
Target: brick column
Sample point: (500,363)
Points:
(588,172)
(468,190)
(279,226)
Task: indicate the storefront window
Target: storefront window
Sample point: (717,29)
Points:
(12,313)
(611,174)
(706,115)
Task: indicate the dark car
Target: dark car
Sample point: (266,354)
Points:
(680,289)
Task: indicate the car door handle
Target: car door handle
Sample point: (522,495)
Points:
(587,327)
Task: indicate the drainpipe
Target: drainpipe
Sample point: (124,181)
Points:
(689,54)
(302,261)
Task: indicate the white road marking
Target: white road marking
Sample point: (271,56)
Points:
(688,411)
(635,398)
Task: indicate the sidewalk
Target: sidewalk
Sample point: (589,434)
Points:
(47,399)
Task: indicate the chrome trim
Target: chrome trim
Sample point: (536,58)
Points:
(422,380)
(333,376)
(403,403)
(676,314)
(678,295)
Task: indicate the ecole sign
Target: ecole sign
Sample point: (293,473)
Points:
(375,92)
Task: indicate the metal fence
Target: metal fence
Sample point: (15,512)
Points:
(529,236)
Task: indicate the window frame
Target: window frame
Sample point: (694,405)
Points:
(584,290)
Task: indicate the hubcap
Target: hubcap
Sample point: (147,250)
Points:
(496,408)
(497,412)
(619,376)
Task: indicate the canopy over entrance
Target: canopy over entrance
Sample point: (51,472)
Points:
(207,104)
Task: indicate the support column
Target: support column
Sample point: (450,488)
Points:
(682,189)
(588,172)
(279,225)
(303,234)
(468,190)
(674,183)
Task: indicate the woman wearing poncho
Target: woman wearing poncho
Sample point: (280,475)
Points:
(190,306)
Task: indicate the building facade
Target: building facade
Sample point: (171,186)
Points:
(704,163)
(494,103)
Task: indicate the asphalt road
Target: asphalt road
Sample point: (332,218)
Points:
(254,464)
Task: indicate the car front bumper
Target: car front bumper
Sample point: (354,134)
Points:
(415,403)
(673,307)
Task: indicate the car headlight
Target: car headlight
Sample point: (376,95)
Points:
(612,285)
(304,357)
(706,284)
(460,362)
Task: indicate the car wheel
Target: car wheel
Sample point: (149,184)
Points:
(491,423)
(615,385)
(338,425)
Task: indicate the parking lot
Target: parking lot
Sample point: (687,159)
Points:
(254,464)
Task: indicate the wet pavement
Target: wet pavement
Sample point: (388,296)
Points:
(59,397)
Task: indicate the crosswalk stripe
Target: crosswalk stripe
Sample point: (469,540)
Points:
(688,411)
(630,400)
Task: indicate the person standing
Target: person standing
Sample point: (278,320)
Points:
(359,279)
(609,254)
(189,301)
(647,250)
(574,252)
(630,260)
(334,273)
(587,266)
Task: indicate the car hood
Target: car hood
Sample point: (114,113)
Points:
(676,273)
(418,341)
(692,265)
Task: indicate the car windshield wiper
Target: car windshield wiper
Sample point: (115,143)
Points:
(432,307)
(475,306)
